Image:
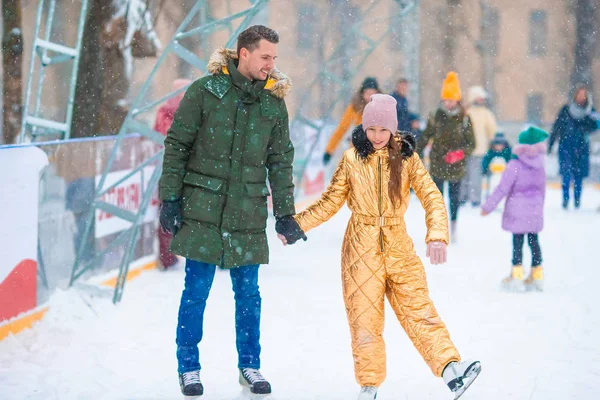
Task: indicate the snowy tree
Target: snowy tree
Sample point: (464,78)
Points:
(115,33)
(12,54)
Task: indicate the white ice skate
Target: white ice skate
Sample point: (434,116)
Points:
(514,282)
(452,231)
(460,375)
(535,280)
(367,393)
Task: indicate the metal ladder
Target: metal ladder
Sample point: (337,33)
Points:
(49,53)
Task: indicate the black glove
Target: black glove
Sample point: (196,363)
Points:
(288,227)
(170,216)
(326,158)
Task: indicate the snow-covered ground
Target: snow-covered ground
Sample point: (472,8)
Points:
(533,346)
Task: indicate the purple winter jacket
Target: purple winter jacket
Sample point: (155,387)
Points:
(524,186)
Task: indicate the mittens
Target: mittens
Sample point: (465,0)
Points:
(452,157)
(437,252)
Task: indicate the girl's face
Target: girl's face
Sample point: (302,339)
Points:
(450,104)
(368,93)
(378,136)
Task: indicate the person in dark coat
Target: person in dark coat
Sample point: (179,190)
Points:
(572,128)
(402,104)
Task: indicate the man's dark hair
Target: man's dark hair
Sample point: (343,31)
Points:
(402,80)
(250,37)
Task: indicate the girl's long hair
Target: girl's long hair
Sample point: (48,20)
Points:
(395,162)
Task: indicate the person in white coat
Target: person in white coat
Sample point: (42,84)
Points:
(484,127)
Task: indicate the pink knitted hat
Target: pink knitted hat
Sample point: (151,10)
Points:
(381,111)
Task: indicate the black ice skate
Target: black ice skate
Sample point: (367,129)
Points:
(460,375)
(190,383)
(254,381)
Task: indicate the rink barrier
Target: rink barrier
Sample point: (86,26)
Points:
(134,272)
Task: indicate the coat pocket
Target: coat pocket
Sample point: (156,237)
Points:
(254,206)
(203,198)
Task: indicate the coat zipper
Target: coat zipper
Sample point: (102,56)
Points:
(379,200)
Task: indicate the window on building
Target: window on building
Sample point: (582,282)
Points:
(491,31)
(306,26)
(535,108)
(538,32)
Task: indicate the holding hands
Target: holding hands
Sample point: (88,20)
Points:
(288,230)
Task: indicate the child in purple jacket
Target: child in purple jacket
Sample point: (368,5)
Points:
(524,186)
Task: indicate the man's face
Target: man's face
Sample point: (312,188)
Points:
(402,88)
(259,62)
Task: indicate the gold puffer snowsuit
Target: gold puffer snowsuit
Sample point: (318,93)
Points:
(378,259)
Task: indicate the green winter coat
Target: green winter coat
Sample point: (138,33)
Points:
(228,135)
(448,133)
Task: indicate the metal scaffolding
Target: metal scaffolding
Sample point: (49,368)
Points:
(370,30)
(50,53)
(134,123)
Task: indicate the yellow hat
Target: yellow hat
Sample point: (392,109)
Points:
(451,87)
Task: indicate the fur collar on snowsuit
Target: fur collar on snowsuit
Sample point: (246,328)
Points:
(364,148)
(277,83)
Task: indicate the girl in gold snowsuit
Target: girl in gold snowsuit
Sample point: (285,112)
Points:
(378,257)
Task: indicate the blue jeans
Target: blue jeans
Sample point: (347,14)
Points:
(577,183)
(198,281)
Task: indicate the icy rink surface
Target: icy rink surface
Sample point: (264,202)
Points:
(533,346)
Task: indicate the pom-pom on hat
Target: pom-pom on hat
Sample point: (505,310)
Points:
(451,87)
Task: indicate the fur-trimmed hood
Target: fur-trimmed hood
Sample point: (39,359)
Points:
(531,154)
(364,148)
(277,83)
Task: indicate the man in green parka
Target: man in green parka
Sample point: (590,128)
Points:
(230,133)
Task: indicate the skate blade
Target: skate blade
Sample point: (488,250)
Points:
(513,287)
(246,394)
(470,376)
(192,397)
(535,287)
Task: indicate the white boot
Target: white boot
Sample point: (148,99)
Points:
(367,393)
(452,231)
(460,375)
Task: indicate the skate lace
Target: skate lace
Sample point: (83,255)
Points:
(252,375)
(368,389)
(190,378)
